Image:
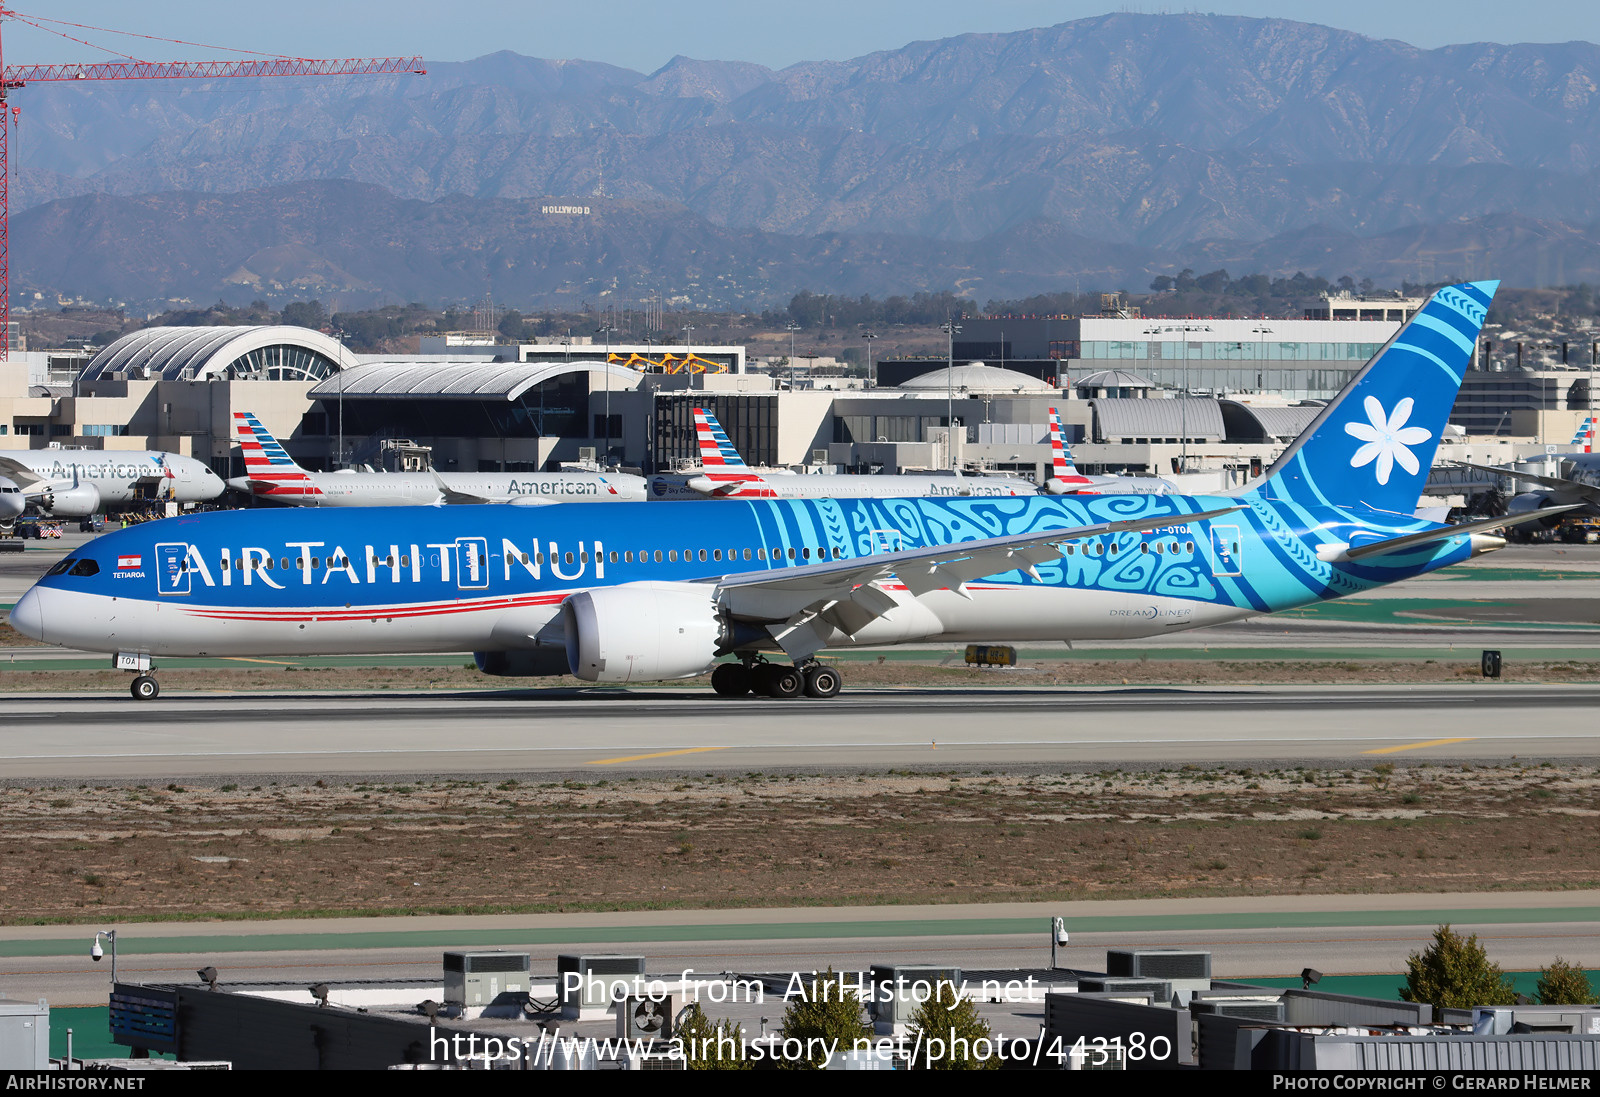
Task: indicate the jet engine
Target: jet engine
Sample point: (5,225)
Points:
(1530,501)
(523,662)
(641,632)
(78,501)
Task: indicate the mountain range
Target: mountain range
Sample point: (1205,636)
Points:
(1097,152)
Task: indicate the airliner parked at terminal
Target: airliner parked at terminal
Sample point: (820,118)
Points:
(641,593)
(724,475)
(1065,479)
(73,483)
(271,473)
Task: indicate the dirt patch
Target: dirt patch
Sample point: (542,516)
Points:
(68,852)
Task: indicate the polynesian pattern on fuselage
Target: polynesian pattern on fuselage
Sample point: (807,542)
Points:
(1280,545)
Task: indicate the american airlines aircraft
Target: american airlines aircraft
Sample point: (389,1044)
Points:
(73,483)
(271,473)
(1065,479)
(724,475)
(642,593)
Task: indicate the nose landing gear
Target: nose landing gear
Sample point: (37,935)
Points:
(145,688)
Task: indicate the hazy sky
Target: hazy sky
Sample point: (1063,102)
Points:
(645,34)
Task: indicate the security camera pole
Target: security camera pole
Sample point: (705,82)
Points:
(95,951)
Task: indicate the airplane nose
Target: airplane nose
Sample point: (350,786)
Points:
(27,616)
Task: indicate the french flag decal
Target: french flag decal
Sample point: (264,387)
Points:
(125,563)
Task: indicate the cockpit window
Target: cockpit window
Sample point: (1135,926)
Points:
(85,566)
(61,567)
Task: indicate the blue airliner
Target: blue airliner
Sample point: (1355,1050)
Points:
(634,592)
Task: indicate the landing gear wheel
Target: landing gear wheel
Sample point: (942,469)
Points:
(145,688)
(731,680)
(785,682)
(822,681)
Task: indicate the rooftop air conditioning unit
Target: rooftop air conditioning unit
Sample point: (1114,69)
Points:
(596,982)
(1160,990)
(1244,1009)
(898,991)
(586,454)
(1158,963)
(474,979)
(647,1017)
(819,457)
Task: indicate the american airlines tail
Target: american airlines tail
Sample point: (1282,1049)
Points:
(1064,475)
(268,468)
(1371,448)
(1584,436)
(716,448)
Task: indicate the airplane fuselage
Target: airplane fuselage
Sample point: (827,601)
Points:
(751,485)
(119,477)
(493,578)
(399,489)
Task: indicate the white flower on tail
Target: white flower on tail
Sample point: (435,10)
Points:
(1387,439)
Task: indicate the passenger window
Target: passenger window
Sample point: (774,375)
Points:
(613,557)
(1114,548)
(1188,546)
(702,556)
(791,552)
(658,556)
(716,554)
(761,554)
(1144,547)
(405,561)
(569,557)
(627,557)
(538,557)
(316,562)
(672,555)
(747,554)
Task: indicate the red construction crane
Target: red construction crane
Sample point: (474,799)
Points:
(15,76)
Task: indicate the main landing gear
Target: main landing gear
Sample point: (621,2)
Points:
(776,680)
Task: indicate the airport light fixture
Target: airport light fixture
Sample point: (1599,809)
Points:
(608,330)
(1183,403)
(869,337)
(793,327)
(96,952)
(950,327)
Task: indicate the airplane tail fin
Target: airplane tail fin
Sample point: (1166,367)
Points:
(262,452)
(1373,445)
(1064,474)
(716,450)
(1584,436)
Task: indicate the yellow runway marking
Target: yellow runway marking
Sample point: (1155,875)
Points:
(662,754)
(1419,746)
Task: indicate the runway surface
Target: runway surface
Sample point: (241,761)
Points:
(1248,938)
(110,737)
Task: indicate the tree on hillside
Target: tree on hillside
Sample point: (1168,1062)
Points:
(305,314)
(1455,973)
(1564,984)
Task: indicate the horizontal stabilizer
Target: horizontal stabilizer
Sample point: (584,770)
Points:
(1412,540)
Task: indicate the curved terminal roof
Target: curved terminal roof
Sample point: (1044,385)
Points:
(977,377)
(463,379)
(1122,418)
(1114,379)
(1257,423)
(278,353)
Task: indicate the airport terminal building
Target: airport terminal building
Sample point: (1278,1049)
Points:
(1134,394)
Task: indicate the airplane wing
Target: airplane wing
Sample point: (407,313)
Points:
(799,604)
(450,495)
(1556,482)
(24,476)
(1411,540)
(717,488)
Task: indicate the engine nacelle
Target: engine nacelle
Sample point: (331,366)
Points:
(525,663)
(1530,501)
(642,632)
(74,502)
